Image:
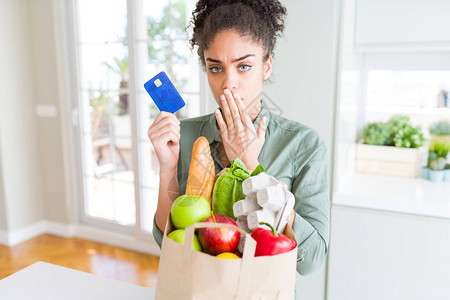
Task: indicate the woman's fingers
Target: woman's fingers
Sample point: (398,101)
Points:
(245,117)
(167,127)
(240,139)
(262,126)
(162,120)
(168,134)
(164,134)
(165,115)
(232,107)
(156,126)
(226,114)
(221,124)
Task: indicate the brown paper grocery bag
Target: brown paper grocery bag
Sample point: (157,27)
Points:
(188,274)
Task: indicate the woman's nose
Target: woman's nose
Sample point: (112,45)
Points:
(230,82)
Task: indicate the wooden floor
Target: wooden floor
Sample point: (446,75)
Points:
(75,253)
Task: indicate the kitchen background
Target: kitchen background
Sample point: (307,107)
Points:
(75,159)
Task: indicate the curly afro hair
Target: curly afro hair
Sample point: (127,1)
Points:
(261,20)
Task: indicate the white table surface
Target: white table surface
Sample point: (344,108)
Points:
(42,280)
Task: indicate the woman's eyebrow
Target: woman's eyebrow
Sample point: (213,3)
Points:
(234,60)
(243,57)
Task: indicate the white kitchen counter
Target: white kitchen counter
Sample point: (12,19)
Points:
(42,280)
(405,195)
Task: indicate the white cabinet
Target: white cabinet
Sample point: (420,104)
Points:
(312,287)
(385,255)
(402,25)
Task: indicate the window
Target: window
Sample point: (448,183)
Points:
(408,84)
(377,86)
(120,44)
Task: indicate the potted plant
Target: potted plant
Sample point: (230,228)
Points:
(390,148)
(440,130)
(447,172)
(437,161)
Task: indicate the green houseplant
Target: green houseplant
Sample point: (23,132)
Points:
(404,134)
(376,133)
(397,131)
(437,161)
(390,148)
(440,130)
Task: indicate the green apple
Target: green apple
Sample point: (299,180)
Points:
(178,236)
(187,210)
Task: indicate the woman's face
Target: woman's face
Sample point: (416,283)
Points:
(235,62)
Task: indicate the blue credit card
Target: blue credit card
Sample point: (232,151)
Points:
(164,93)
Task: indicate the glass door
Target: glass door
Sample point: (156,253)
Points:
(120,45)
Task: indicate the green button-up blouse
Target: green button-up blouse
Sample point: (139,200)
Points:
(292,153)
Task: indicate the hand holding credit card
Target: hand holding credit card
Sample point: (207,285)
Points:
(164,93)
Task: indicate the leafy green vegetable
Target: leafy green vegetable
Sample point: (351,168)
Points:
(228,189)
(259,169)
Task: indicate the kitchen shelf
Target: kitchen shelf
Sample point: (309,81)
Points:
(410,110)
(400,109)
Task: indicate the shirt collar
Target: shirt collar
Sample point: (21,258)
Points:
(212,134)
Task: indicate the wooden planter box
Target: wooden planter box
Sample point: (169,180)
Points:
(387,160)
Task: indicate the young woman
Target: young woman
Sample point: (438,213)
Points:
(236,40)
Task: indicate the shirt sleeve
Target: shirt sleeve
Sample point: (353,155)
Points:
(312,205)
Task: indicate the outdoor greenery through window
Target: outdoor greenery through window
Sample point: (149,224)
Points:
(115,59)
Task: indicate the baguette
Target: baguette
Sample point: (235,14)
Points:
(201,175)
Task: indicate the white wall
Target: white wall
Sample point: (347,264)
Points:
(2,194)
(303,84)
(303,76)
(349,95)
(42,18)
(18,134)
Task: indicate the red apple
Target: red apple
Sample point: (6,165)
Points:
(218,240)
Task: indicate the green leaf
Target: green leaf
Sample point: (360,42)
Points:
(241,174)
(233,195)
(259,169)
(228,188)
(237,164)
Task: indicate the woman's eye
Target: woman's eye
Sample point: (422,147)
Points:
(244,68)
(215,69)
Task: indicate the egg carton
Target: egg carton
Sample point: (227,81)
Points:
(267,200)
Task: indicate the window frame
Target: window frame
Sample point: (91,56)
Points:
(69,22)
